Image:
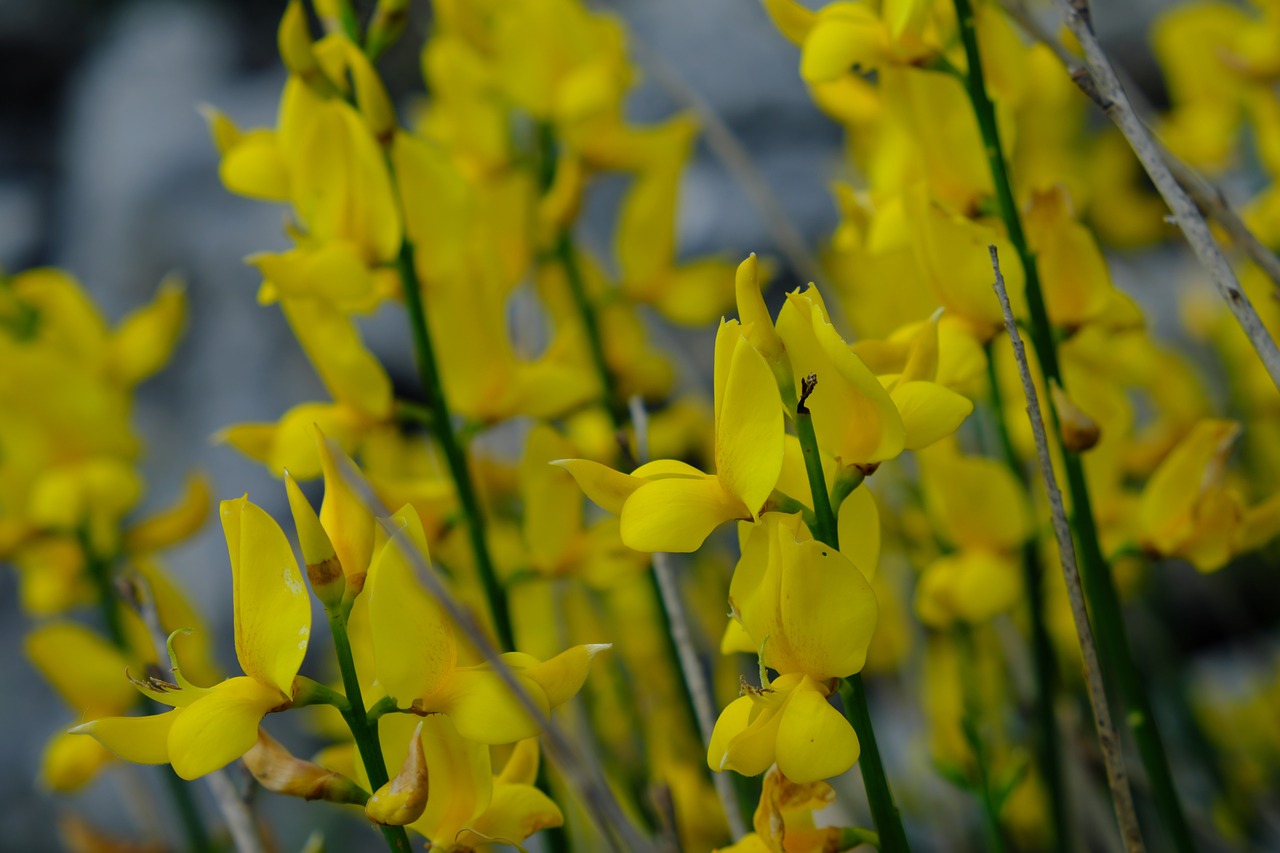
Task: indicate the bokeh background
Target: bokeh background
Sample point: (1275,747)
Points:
(106,169)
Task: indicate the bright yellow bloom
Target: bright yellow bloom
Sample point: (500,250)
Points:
(1189,510)
(810,613)
(667,505)
(467,806)
(209,727)
(979,510)
(416,654)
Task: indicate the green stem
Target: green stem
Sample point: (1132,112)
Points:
(1048,744)
(363,730)
(99,571)
(454,453)
(970,725)
(1099,586)
(879,795)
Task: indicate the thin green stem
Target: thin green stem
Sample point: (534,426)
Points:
(971,726)
(363,730)
(99,570)
(1099,586)
(879,795)
(884,810)
(454,453)
(1048,743)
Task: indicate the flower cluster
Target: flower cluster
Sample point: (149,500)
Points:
(891,564)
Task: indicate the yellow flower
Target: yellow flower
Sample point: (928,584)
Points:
(810,613)
(467,806)
(668,505)
(416,654)
(978,509)
(1188,509)
(209,727)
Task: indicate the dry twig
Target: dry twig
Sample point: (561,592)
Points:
(1111,94)
(1108,738)
(585,777)
(690,666)
(1207,196)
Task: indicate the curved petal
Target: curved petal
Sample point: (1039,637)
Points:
(334,346)
(859,529)
(814,740)
(70,762)
(677,514)
(563,676)
(219,727)
(733,721)
(749,429)
(86,670)
(483,708)
(272,607)
(413,642)
(826,613)
(929,411)
(141,740)
(607,488)
(461,779)
(514,813)
(754,748)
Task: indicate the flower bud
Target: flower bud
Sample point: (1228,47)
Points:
(278,770)
(402,800)
(1079,431)
(323,567)
(294,39)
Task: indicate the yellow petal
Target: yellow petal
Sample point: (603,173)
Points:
(563,676)
(1168,501)
(846,36)
(254,167)
(141,740)
(792,19)
(483,707)
(814,741)
(70,762)
(86,670)
(733,720)
(749,428)
(174,523)
(859,528)
(461,777)
(218,728)
(145,339)
(514,813)
(343,514)
(413,641)
(752,749)
(334,346)
(826,613)
(975,502)
(677,514)
(854,417)
(607,488)
(552,501)
(929,412)
(272,608)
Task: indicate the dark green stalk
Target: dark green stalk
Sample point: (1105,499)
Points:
(363,730)
(454,453)
(879,795)
(1048,744)
(99,570)
(1099,586)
